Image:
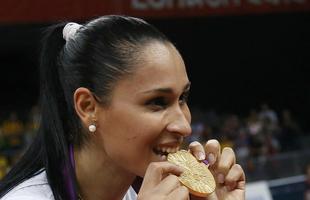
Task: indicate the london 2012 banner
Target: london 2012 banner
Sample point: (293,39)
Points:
(20,11)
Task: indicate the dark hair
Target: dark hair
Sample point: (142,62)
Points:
(101,52)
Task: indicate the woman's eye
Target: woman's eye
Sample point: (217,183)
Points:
(157,103)
(184,98)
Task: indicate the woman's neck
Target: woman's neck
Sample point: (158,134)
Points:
(98,178)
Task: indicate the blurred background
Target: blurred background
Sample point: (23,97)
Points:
(247,61)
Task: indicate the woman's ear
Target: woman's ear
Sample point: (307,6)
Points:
(85,105)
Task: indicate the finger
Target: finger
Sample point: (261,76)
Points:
(168,184)
(180,193)
(235,179)
(213,150)
(226,161)
(156,171)
(197,150)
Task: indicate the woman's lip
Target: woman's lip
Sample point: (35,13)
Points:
(172,144)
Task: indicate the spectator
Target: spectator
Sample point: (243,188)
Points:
(290,135)
(267,113)
(12,130)
(307,191)
(12,126)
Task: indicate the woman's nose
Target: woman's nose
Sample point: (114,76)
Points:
(180,123)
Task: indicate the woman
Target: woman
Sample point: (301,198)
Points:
(113,95)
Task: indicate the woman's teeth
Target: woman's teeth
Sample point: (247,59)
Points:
(163,158)
(164,151)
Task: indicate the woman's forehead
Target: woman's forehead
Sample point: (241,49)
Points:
(158,51)
(160,62)
(160,58)
(162,67)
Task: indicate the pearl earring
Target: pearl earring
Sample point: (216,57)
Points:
(92,128)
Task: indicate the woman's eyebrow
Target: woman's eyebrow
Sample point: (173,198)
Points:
(167,90)
(187,86)
(159,90)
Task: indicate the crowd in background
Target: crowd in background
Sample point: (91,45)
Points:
(16,133)
(263,132)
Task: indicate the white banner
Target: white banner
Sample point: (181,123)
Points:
(258,191)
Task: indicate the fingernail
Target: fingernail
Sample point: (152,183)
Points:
(220,178)
(201,156)
(205,162)
(211,158)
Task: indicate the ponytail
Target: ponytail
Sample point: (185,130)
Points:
(55,113)
(49,150)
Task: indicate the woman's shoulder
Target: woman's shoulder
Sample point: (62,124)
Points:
(35,188)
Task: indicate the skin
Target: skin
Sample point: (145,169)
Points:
(148,109)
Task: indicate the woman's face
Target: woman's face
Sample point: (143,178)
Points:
(148,116)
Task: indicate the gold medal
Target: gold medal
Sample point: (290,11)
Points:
(196,176)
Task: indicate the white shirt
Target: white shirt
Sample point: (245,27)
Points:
(37,188)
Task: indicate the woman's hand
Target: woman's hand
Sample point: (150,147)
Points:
(229,176)
(161,183)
